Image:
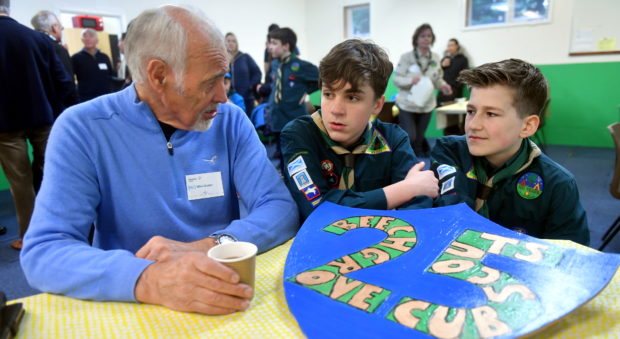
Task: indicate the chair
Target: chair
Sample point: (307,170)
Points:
(614,188)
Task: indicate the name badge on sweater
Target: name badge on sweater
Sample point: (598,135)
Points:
(103,66)
(204,185)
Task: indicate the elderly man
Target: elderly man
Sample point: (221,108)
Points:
(33,87)
(92,68)
(158,167)
(47,23)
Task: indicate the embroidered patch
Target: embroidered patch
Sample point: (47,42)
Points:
(444,170)
(316,202)
(291,77)
(296,165)
(302,179)
(327,169)
(295,66)
(471,174)
(311,192)
(530,185)
(291,84)
(447,185)
(378,144)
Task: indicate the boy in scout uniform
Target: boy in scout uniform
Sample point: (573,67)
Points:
(291,79)
(496,169)
(337,155)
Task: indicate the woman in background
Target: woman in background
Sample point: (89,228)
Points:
(453,62)
(245,73)
(417,73)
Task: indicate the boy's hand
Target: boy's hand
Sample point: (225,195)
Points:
(423,182)
(415,80)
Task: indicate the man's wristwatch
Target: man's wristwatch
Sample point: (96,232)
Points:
(223,238)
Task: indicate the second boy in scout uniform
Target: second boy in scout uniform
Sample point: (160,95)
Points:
(496,169)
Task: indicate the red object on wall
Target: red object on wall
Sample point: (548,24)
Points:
(88,21)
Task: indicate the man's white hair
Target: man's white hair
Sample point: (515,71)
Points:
(43,21)
(89,31)
(156,34)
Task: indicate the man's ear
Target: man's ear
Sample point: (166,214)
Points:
(288,47)
(530,126)
(157,75)
(378,105)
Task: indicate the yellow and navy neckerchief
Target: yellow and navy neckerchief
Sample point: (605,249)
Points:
(284,61)
(526,154)
(371,142)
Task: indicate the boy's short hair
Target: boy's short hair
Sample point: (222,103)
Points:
(418,31)
(530,88)
(286,36)
(356,62)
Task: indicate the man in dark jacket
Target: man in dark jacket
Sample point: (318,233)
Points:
(33,87)
(92,68)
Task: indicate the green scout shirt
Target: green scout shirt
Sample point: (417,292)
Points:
(298,78)
(314,169)
(542,200)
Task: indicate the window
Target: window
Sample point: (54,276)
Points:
(357,21)
(502,12)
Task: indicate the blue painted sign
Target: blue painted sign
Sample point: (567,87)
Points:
(443,272)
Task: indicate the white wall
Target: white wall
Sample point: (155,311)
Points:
(394,21)
(248,19)
(320,25)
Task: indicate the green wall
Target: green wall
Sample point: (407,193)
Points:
(585,99)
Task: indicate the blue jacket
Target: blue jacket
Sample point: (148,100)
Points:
(107,162)
(245,75)
(33,82)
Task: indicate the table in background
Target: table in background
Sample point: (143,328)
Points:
(446,112)
(50,315)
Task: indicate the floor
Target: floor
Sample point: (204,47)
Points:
(592,168)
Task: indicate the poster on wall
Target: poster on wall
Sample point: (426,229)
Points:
(443,272)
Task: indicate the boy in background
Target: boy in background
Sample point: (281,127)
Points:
(338,155)
(496,169)
(233,96)
(291,79)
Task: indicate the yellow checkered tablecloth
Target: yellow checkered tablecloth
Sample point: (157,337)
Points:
(62,317)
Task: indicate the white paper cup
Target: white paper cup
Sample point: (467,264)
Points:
(238,255)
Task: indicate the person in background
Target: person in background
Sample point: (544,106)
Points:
(268,58)
(245,73)
(47,23)
(338,155)
(453,62)
(496,169)
(233,97)
(291,80)
(121,66)
(161,169)
(420,65)
(34,87)
(92,68)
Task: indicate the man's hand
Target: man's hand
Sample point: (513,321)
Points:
(160,248)
(424,182)
(193,282)
(415,80)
